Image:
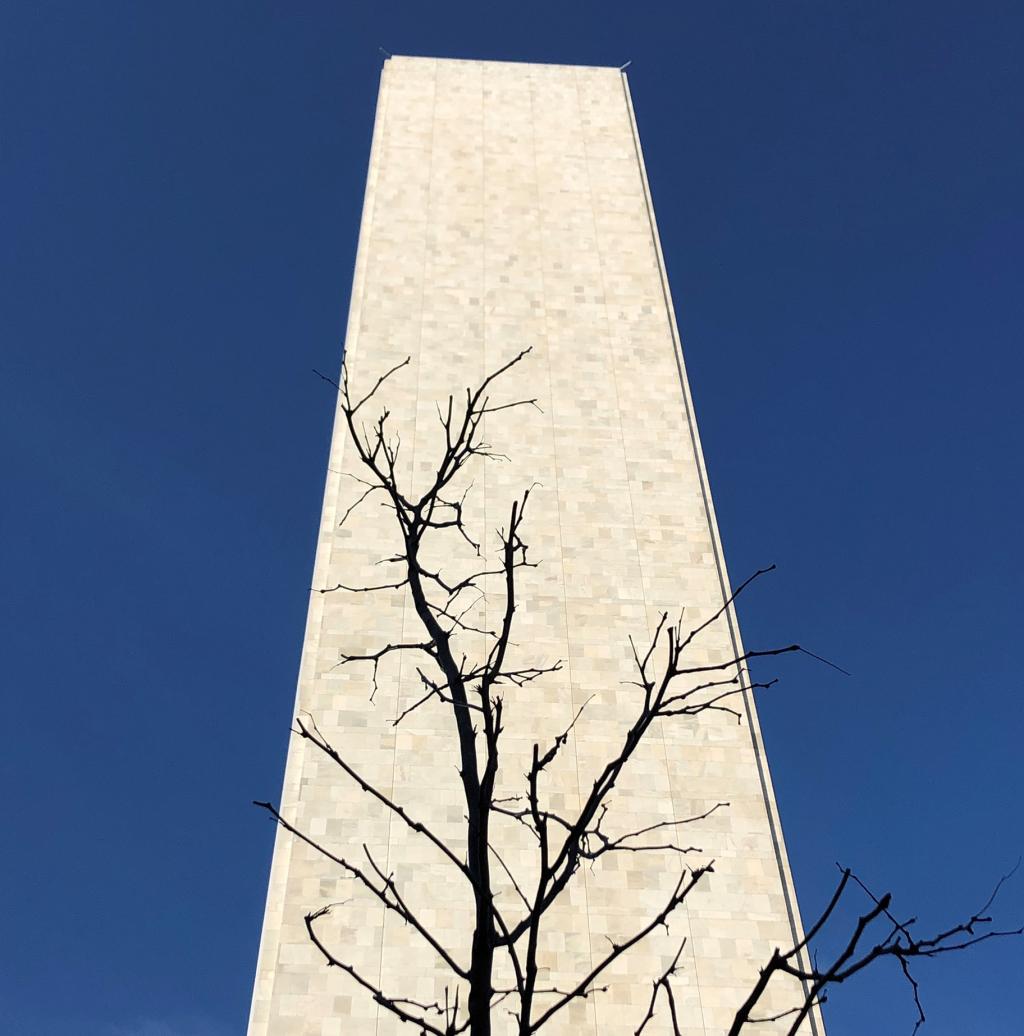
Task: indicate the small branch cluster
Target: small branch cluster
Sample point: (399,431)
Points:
(877,935)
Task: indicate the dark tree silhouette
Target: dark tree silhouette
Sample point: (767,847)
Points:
(669,688)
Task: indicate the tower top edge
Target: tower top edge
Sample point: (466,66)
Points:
(427,59)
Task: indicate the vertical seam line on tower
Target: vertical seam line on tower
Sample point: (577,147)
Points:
(558,515)
(629,488)
(412,482)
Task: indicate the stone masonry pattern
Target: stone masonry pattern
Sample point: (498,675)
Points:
(507,206)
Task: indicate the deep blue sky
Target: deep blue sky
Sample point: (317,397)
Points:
(840,190)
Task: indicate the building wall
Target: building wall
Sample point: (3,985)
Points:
(506,207)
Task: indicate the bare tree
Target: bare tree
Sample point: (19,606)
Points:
(669,687)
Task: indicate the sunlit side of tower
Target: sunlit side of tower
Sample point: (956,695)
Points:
(507,206)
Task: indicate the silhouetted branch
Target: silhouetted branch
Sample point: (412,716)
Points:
(470,683)
(683,888)
(311,733)
(664,982)
(385,892)
(396,1006)
(376,656)
(894,939)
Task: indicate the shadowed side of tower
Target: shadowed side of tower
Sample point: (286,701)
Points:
(507,206)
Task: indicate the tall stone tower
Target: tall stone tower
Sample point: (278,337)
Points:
(507,206)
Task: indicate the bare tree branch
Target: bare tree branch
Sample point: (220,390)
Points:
(386,892)
(469,669)
(683,888)
(664,982)
(894,939)
(396,1006)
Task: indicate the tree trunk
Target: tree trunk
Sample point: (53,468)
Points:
(482,960)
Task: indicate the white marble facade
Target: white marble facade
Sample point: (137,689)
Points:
(507,206)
